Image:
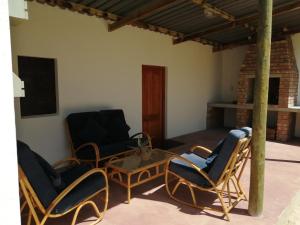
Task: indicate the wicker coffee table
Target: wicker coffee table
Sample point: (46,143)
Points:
(137,169)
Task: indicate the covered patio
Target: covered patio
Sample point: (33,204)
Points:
(92,76)
(151,204)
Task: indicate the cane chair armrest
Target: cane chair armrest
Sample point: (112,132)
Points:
(199,170)
(74,185)
(144,134)
(200,148)
(65,161)
(94,147)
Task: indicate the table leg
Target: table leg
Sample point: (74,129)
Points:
(128,188)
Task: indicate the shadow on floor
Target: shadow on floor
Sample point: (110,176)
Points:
(283,160)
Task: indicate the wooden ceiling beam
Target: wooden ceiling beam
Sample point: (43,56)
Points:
(244,21)
(80,8)
(214,10)
(283,34)
(141,13)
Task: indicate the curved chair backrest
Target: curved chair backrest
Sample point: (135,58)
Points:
(36,170)
(244,151)
(225,155)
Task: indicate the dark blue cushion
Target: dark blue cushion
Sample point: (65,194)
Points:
(36,174)
(247,130)
(117,130)
(87,153)
(104,117)
(186,171)
(116,148)
(214,165)
(93,132)
(220,162)
(76,123)
(110,133)
(70,174)
(114,121)
(50,171)
(33,166)
(86,188)
(218,147)
(215,152)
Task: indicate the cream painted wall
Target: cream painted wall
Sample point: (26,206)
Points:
(232,60)
(98,69)
(231,63)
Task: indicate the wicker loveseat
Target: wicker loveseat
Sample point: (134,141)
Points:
(101,135)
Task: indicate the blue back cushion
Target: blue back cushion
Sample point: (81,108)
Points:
(77,122)
(210,159)
(247,130)
(114,121)
(93,132)
(216,151)
(219,163)
(37,173)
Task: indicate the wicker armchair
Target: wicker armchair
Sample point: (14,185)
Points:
(219,173)
(51,194)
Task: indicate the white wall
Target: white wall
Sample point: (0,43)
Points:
(231,63)
(98,69)
(232,60)
(9,189)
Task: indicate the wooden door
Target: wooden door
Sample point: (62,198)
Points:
(154,103)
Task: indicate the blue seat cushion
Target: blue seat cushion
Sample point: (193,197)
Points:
(116,148)
(187,172)
(195,159)
(88,153)
(82,191)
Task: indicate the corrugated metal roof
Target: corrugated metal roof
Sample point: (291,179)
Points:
(187,17)
(230,35)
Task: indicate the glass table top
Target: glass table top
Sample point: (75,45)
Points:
(140,160)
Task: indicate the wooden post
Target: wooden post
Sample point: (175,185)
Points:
(260,107)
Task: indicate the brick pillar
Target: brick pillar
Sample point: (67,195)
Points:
(243,117)
(285,126)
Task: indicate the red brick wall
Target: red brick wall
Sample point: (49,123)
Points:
(282,65)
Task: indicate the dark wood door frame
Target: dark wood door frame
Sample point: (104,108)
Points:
(163,87)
